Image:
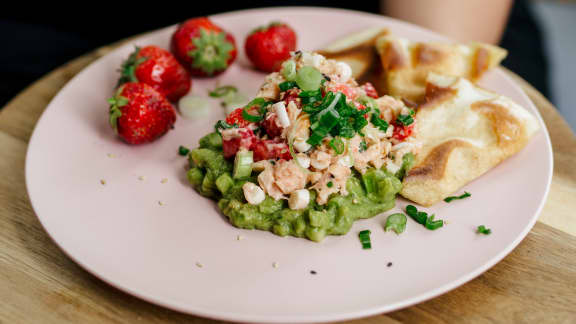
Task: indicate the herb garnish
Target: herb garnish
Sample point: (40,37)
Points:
(423,218)
(483,230)
(462,196)
(182,150)
(396,222)
(364,237)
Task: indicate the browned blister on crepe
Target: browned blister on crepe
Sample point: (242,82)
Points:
(406,64)
(464,131)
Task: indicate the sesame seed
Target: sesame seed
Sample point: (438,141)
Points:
(354,201)
(389,264)
(275,265)
(199,265)
(313,272)
(164,180)
(103,182)
(239,237)
(141,178)
(161,203)
(111,155)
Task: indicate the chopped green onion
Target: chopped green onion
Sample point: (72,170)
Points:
(182,150)
(423,218)
(242,164)
(249,117)
(380,123)
(364,237)
(396,222)
(462,196)
(405,119)
(194,107)
(289,70)
(330,184)
(431,224)
(287,85)
(308,78)
(338,145)
(483,230)
(310,97)
(222,124)
(222,91)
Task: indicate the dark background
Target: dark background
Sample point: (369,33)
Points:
(38,38)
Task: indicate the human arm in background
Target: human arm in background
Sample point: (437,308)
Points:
(463,20)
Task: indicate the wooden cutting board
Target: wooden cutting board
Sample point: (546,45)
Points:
(39,284)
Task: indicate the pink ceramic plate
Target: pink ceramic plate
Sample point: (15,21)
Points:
(122,234)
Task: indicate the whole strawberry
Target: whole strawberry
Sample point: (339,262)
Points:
(268,46)
(140,114)
(204,48)
(158,68)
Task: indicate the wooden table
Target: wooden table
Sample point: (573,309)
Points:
(39,284)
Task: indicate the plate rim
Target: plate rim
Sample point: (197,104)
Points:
(243,317)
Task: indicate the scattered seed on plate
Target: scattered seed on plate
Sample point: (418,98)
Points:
(111,155)
(164,180)
(389,264)
(313,272)
(161,203)
(239,237)
(199,265)
(142,178)
(275,265)
(103,182)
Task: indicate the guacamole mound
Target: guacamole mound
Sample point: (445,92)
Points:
(369,194)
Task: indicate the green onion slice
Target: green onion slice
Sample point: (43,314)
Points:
(462,196)
(308,78)
(287,85)
(396,222)
(223,91)
(289,70)
(432,224)
(338,145)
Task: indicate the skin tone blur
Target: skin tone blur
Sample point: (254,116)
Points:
(462,20)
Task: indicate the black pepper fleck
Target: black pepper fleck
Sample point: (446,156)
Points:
(313,272)
(389,264)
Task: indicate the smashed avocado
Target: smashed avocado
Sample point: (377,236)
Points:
(369,194)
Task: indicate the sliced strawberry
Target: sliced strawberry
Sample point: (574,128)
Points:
(292,95)
(235,117)
(349,92)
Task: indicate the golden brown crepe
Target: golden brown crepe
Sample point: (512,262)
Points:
(406,64)
(464,131)
(359,51)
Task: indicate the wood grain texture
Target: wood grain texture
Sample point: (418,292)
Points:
(39,284)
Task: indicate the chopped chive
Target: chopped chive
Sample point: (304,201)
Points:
(287,85)
(330,184)
(483,230)
(182,150)
(462,196)
(422,218)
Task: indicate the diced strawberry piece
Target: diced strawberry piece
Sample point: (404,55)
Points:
(235,117)
(401,132)
(292,95)
(351,93)
(370,90)
(271,149)
(270,125)
(236,138)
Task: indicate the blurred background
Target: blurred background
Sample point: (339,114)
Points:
(539,34)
